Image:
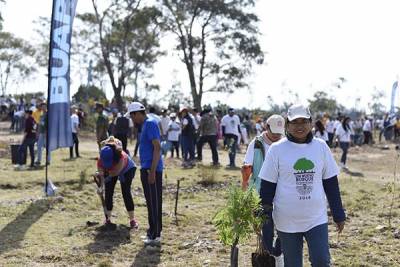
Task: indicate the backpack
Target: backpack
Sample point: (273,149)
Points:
(121,126)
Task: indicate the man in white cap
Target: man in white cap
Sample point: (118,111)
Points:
(253,161)
(151,170)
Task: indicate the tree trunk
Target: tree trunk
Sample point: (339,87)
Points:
(193,88)
(118,99)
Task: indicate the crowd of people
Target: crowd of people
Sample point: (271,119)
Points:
(288,161)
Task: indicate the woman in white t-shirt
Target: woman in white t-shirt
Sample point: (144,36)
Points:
(343,134)
(320,131)
(298,174)
(173,132)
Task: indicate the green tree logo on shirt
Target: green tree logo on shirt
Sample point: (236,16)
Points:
(304,176)
(303,165)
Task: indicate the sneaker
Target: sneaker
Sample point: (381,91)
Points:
(134,224)
(156,242)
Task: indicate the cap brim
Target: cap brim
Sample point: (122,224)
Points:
(277,130)
(291,118)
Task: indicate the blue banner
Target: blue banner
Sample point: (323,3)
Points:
(59,132)
(395,87)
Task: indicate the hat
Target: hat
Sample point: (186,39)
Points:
(298,111)
(231,110)
(135,106)
(32,108)
(276,124)
(172,115)
(106,156)
(183,109)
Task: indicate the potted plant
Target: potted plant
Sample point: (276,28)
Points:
(236,222)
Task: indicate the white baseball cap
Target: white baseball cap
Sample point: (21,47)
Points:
(172,115)
(135,106)
(276,124)
(298,111)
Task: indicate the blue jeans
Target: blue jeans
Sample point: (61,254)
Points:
(41,143)
(187,148)
(318,247)
(231,140)
(345,147)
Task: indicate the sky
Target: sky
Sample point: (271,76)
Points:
(309,44)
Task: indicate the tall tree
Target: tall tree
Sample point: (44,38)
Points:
(1,17)
(322,103)
(217,38)
(15,55)
(129,40)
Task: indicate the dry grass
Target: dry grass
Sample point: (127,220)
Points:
(52,232)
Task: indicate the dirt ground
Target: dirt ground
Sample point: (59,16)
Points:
(39,231)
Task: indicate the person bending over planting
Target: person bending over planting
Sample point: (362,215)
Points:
(114,164)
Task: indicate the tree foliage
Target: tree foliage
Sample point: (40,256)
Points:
(128,35)
(376,106)
(85,93)
(321,103)
(237,220)
(1,17)
(15,54)
(216,38)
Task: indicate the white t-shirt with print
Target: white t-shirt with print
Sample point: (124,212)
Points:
(322,136)
(249,157)
(342,134)
(176,130)
(298,171)
(231,124)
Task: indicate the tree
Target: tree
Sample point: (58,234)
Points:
(89,92)
(321,103)
(1,17)
(376,106)
(129,41)
(15,54)
(216,38)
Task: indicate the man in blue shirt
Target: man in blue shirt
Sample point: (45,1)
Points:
(151,169)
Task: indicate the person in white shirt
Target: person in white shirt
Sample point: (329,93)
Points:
(320,131)
(367,130)
(343,133)
(164,124)
(330,128)
(75,130)
(336,124)
(253,161)
(298,175)
(230,124)
(173,132)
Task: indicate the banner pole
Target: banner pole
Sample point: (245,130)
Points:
(48,98)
